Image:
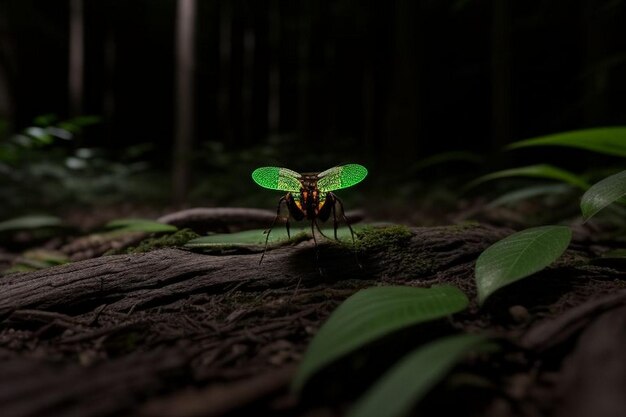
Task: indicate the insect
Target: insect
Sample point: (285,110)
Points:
(310,195)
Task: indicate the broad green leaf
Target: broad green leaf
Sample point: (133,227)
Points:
(140,225)
(256,238)
(371,314)
(606,140)
(518,256)
(535,171)
(408,381)
(602,194)
(29,223)
(530,192)
(247,238)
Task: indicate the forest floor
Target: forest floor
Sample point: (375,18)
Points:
(174,332)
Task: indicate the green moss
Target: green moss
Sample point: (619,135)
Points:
(372,238)
(417,264)
(167,241)
(463,226)
(392,242)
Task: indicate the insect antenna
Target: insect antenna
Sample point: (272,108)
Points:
(268,231)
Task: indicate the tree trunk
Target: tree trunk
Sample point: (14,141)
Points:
(76,58)
(184,117)
(7,98)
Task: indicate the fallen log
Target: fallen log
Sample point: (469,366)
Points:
(162,276)
(119,334)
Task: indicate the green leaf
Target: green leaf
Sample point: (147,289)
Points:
(534,171)
(606,140)
(602,194)
(29,223)
(256,238)
(246,238)
(42,136)
(371,314)
(408,381)
(518,256)
(140,225)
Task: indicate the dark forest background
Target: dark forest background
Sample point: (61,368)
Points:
(309,83)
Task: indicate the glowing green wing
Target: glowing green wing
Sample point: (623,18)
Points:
(276,178)
(339,177)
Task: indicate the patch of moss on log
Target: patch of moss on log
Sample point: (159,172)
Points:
(176,239)
(374,238)
(390,244)
(463,226)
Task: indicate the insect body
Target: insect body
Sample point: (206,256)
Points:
(310,195)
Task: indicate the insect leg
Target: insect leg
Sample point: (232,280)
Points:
(317,225)
(313,232)
(268,231)
(343,216)
(335,220)
(317,249)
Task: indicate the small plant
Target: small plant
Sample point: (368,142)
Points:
(371,314)
(375,313)
(528,251)
(42,168)
(518,256)
(607,140)
(409,380)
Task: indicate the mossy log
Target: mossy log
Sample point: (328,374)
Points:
(178,333)
(160,277)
